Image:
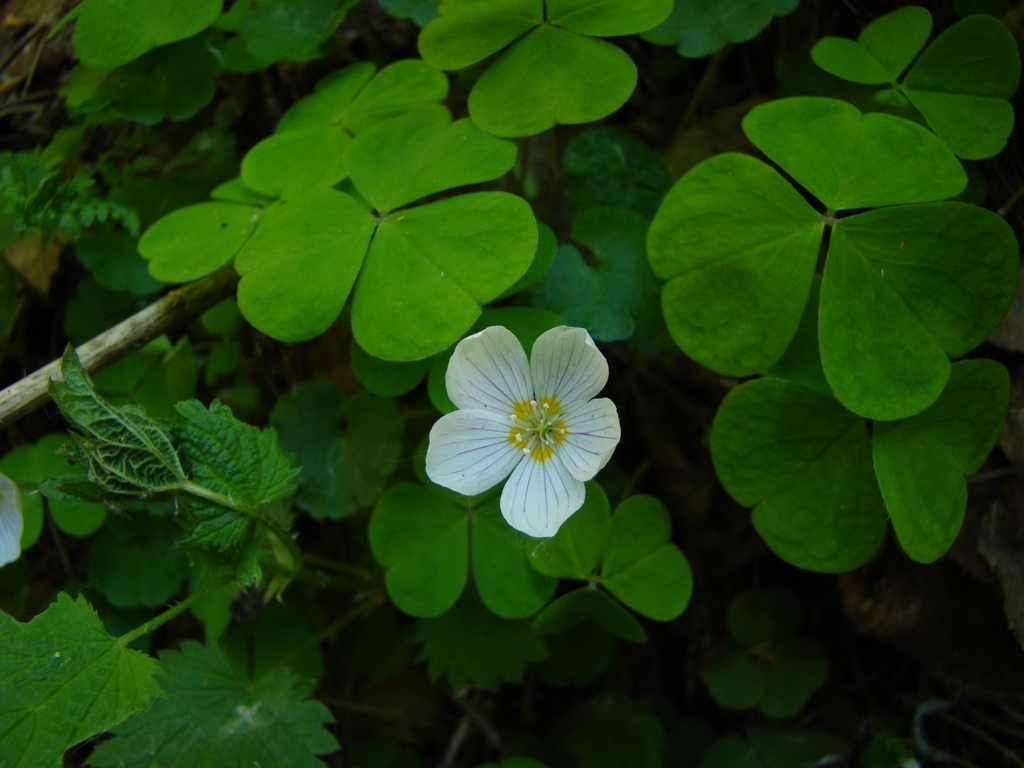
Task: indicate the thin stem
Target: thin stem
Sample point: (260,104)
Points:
(978,733)
(170,613)
(325,563)
(1005,207)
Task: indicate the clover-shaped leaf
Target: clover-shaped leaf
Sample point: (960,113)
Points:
(699,28)
(110,33)
(960,84)
(554,71)
(422,537)
(804,463)
(921,461)
(767,665)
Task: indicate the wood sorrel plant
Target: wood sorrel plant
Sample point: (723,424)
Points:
(398,241)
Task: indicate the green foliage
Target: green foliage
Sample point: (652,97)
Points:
(611,730)
(470,644)
(342,470)
(63,679)
(276,30)
(778,748)
(701,27)
(767,665)
(554,71)
(960,83)
(39,200)
(231,721)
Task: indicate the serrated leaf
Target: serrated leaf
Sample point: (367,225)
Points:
(63,679)
(803,461)
(423,541)
(551,76)
(410,157)
(734,221)
(921,461)
(469,644)
(641,567)
(883,49)
(298,268)
(231,722)
(123,450)
(109,33)
(961,84)
(233,459)
(849,160)
(898,296)
(618,297)
(196,240)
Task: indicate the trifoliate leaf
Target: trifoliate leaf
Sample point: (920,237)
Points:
(883,49)
(63,679)
(231,722)
(135,561)
(610,730)
(574,552)
(123,450)
(385,377)
(233,459)
(508,586)
(469,644)
(701,27)
(276,30)
(579,605)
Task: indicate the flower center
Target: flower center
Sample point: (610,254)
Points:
(537,427)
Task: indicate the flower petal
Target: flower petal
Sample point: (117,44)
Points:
(591,433)
(540,496)
(470,451)
(568,366)
(11,521)
(489,370)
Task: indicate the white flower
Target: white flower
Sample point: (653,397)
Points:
(11,522)
(534,420)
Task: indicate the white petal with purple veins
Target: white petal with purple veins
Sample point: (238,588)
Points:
(540,496)
(591,433)
(489,370)
(567,365)
(470,451)
(11,521)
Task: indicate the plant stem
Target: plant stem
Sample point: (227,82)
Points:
(325,563)
(24,396)
(170,613)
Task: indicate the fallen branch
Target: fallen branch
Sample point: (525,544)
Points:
(178,305)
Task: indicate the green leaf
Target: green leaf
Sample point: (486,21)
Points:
(282,30)
(551,76)
(608,18)
(172,82)
(609,731)
(757,616)
(234,459)
(734,221)
(618,297)
(701,27)
(884,48)
(526,323)
(420,154)
(803,747)
(849,160)
(298,268)
(356,99)
(508,586)
(194,241)
(470,645)
(731,752)
(921,461)
(900,294)
(135,562)
(423,541)
(234,191)
(113,259)
(799,668)
(641,566)
(155,377)
(547,246)
(289,162)
(579,655)
(575,551)
(734,680)
(607,167)
(585,603)
(123,450)
(280,634)
(961,84)
(803,461)
(430,268)
(63,679)
(342,470)
(231,722)
(110,33)
(384,377)
(468,31)
(801,362)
